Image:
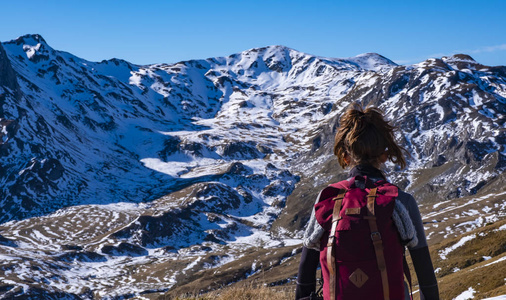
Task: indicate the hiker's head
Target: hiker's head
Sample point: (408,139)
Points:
(365,137)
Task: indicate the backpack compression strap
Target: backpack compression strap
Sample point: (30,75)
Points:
(331,259)
(377,242)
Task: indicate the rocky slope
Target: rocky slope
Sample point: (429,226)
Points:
(120,180)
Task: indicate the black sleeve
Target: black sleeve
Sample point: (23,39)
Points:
(425,273)
(414,213)
(306,279)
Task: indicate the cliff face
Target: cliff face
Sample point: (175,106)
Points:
(8,79)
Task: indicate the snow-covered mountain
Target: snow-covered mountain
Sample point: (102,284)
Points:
(119,179)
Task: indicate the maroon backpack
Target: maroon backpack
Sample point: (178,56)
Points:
(361,254)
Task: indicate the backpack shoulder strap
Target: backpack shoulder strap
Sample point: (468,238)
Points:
(325,204)
(377,242)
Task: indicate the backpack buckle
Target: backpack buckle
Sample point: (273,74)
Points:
(375,236)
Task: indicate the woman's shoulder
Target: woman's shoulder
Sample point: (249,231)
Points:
(406,198)
(403,194)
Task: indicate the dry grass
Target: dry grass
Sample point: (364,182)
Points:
(486,277)
(466,266)
(243,292)
(488,242)
(487,281)
(276,267)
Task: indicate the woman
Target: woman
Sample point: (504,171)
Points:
(364,142)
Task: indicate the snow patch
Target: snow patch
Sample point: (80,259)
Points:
(468,294)
(31,50)
(443,253)
(496,261)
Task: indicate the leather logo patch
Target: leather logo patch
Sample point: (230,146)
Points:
(358,278)
(353,211)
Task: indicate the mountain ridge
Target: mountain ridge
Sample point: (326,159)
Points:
(189,168)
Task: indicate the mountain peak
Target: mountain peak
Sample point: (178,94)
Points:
(116,62)
(30,39)
(268,49)
(375,56)
(278,47)
(33,46)
(372,62)
(461,62)
(460,57)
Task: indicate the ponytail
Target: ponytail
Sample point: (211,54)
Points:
(364,136)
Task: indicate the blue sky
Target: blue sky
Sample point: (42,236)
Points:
(145,32)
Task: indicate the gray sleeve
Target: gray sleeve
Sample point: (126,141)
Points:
(313,232)
(410,204)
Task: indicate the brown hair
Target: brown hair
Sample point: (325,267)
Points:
(365,135)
